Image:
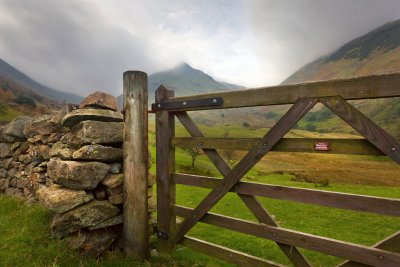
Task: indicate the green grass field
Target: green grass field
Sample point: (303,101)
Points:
(24,230)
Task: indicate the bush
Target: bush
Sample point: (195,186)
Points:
(311,127)
(25,100)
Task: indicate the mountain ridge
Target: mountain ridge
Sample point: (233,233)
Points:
(11,73)
(376,52)
(184,80)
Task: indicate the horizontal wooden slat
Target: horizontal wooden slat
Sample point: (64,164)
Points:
(374,86)
(226,254)
(307,145)
(385,206)
(354,252)
(391,243)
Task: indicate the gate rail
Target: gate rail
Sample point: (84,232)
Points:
(332,94)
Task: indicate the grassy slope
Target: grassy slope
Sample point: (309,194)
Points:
(24,231)
(361,228)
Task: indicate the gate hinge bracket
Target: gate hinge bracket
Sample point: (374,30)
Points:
(188,104)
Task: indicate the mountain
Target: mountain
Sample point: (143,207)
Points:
(16,100)
(376,52)
(10,73)
(185,80)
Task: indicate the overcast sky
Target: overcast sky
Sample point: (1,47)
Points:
(85,45)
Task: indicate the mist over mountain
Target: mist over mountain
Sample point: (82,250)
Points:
(376,52)
(185,80)
(9,72)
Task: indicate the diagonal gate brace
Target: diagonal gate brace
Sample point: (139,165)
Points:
(295,113)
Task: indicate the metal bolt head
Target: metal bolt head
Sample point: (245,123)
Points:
(214,100)
(393,149)
(159,105)
(184,103)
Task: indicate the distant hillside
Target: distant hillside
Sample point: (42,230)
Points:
(376,52)
(16,100)
(185,80)
(9,72)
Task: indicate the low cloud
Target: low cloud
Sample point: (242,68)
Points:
(84,45)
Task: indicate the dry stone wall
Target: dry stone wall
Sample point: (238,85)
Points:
(71,162)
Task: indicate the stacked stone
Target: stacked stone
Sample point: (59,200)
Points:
(15,163)
(86,172)
(72,163)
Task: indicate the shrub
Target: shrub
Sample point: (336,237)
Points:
(25,100)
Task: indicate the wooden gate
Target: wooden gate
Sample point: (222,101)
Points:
(332,94)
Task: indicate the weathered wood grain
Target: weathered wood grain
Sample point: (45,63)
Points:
(378,205)
(373,86)
(391,243)
(367,128)
(306,145)
(354,252)
(226,254)
(295,256)
(295,113)
(165,165)
(135,227)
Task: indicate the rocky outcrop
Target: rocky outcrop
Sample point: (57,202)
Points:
(77,175)
(91,243)
(79,115)
(83,216)
(16,127)
(98,153)
(94,132)
(42,125)
(99,100)
(113,180)
(59,200)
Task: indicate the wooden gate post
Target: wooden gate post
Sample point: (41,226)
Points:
(135,231)
(165,130)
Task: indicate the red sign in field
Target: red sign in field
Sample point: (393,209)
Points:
(321,146)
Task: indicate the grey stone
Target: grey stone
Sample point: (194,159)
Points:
(39,169)
(15,145)
(98,153)
(16,127)
(116,199)
(5,150)
(25,158)
(4,184)
(3,173)
(94,132)
(113,180)
(23,183)
(79,115)
(119,219)
(91,243)
(82,216)
(77,175)
(12,172)
(6,138)
(22,148)
(42,125)
(7,163)
(115,168)
(61,150)
(99,100)
(59,200)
